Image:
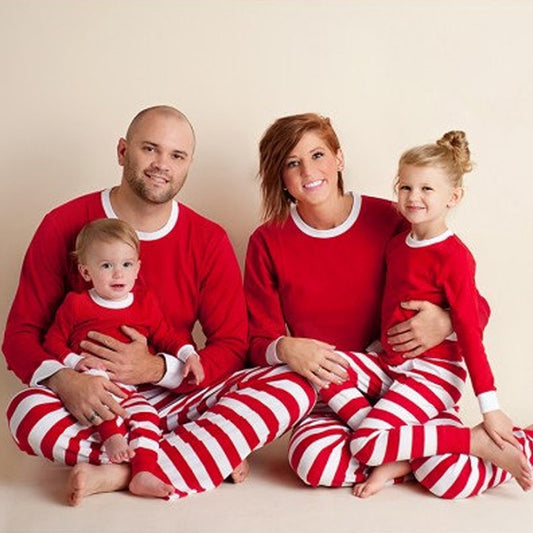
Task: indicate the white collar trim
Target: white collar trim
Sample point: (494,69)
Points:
(328,233)
(111,304)
(143,235)
(412,242)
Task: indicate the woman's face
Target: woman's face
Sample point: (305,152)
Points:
(310,172)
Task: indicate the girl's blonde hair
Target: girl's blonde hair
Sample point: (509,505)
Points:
(274,148)
(450,152)
(104,230)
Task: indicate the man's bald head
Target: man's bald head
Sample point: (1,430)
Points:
(163,110)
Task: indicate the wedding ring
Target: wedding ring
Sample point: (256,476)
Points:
(93,417)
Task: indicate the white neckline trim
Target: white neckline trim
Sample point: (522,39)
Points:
(111,304)
(414,243)
(328,233)
(143,235)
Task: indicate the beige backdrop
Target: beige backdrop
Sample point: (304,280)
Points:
(389,74)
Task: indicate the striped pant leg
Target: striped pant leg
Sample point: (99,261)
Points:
(455,476)
(395,429)
(367,378)
(144,433)
(40,425)
(211,432)
(319,452)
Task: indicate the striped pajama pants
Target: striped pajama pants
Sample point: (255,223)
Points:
(325,450)
(206,434)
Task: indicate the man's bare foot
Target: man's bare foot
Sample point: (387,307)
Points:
(146,484)
(86,479)
(509,458)
(117,449)
(379,477)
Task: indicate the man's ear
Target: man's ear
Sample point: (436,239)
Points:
(121,150)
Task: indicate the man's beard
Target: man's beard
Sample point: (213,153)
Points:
(143,191)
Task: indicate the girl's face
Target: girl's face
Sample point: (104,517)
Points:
(310,171)
(112,267)
(425,194)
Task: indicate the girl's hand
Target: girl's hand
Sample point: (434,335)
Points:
(312,359)
(429,327)
(500,428)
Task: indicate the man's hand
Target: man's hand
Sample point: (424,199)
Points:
(129,363)
(429,327)
(87,398)
(193,366)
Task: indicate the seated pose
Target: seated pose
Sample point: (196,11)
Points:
(107,251)
(427,262)
(188,263)
(314,278)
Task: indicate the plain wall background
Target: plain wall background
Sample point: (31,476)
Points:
(390,74)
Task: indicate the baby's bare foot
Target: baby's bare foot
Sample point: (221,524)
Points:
(117,449)
(146,484)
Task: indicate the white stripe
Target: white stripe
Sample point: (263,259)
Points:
(172,473)
(308,458)
(296,392)
(25,406)
(430,441)
(448,478)
(192,460)
(405,445)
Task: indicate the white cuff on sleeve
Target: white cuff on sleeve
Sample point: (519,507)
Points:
(271,355)
(488,401)
(376,347)
(451,337)
(46,369)
(185,352)
(72,359)
(174,372)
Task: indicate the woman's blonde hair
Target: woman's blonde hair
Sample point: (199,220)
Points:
(104,230)
(450,152)
(274,148)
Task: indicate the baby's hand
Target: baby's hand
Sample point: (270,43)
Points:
(89,362)
(500,428)
(194,366)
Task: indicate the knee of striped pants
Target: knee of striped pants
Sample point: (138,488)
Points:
(367,447)
(319,453)
(29,415)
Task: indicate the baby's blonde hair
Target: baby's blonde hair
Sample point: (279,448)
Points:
(104,230)
(450,152)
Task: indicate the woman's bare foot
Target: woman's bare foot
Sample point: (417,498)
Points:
(117,449)
(86,479)
(146,484)
(241,472)
(379,477)
(509,458)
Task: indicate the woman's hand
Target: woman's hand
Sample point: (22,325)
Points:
(127,362)
(429,327)
(312,359)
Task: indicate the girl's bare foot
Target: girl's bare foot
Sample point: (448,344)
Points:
(86,479)
(379,477)
(509,458)
(117,449)
(146,484)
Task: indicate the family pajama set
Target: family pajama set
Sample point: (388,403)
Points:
(190,266)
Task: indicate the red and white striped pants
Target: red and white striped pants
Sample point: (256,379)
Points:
(324,451)
(206,434)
